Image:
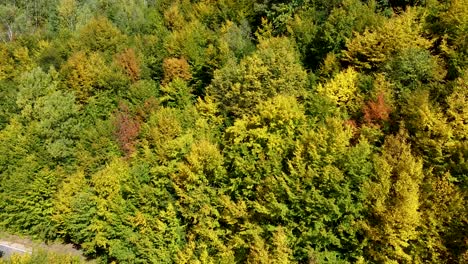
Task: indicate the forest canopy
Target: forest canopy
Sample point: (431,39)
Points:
(225,131)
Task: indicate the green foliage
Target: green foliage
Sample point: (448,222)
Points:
(235,40)
(272,70)
(192,41)
(351,16)
(99,34)
(14,22)
(452,24)
(279,162)
(43,257)
(370,49)
(416,68)
(440,135)
(230,131)
(50,112)
(8,106)
(176,94)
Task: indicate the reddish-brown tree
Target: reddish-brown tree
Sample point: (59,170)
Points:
(376,110)
(129,63)
(127,128)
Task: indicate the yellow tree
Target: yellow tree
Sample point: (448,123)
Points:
(67,13)
(394,199)
(343,90)
(372,48)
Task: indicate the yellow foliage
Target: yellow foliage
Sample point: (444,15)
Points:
(205,158)
(107,182)
(343,90)
(83,73)
(190,42)
(173,17)
(65,195)
(272,70)
(458,110)
(282,253)
(374,47)
(456,17)
(129,63)
(163,126)
(6,63)
(330,66)
(176,68)
(67,13)
(395,201)
(99,34)
(14,61)
(258,252)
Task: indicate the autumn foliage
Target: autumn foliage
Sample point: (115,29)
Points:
(376,111)
(224,131)
(126,130)
(176,68)
(129,63)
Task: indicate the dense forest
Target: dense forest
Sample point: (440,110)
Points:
(237,131)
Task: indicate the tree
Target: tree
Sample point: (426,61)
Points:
(49,113)
(300,176)
(13,22)
(129,63)
(439,135)
(343,90)
(176,68)
(378,109)
(394,199)
(127,128)
(83,72)
(373,48)
(46,127)
(89,74)
(416,68)
(99,34)
(17,60)
(8,108)
(235,40)
(197,185)
(67,10)
(451,24)
(193,42)
(274,69)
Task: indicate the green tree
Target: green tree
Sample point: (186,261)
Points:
(13,22)
(303,177)
(99,34)
(273,69)
(31,171)
(450,22)
(8,108)
(416,68)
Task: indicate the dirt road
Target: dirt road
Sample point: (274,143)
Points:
(7,249)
